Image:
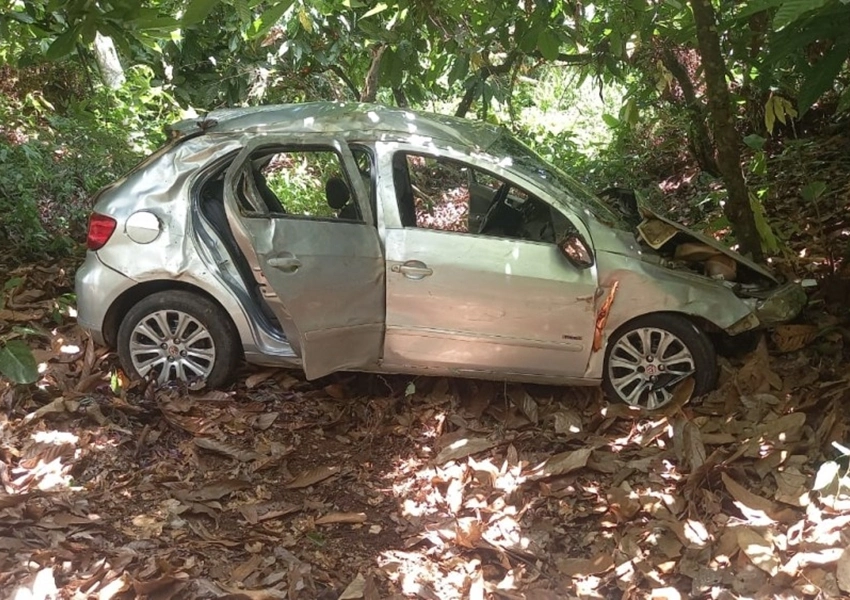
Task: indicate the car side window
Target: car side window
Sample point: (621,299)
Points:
(449,195)
(298,182)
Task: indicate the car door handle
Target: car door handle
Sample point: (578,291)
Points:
(285,264)
(413,269)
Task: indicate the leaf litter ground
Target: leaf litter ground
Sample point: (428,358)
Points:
(361,486)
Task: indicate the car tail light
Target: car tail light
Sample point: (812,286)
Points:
(101,228)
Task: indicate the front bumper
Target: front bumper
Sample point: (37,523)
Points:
(782,305)
(97,287)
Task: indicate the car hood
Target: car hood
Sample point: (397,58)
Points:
(658,231)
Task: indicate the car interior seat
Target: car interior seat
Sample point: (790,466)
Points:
(339,198)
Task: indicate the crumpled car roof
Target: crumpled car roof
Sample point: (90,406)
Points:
(354,120)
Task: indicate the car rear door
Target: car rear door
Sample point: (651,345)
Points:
(323,276)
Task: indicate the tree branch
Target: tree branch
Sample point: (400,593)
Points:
(487,70)
(345,79)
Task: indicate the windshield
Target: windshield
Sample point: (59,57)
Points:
(533,166)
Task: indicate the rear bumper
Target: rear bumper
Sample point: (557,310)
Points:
(97,287)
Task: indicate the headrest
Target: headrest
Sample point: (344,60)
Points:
(337,193)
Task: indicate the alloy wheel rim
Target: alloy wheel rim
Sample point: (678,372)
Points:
(174,345)
(646,364)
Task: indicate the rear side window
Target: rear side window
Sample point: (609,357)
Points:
(302,182)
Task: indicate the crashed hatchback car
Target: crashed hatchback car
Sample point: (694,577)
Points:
(345,236)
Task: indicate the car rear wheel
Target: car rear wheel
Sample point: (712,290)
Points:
(177,335)
(648,357)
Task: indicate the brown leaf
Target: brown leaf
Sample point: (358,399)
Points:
(745,497)
(312,477)
(243,571)
(217,489)
(59,405)
(842,570)
(758,550)
(354,590)
(694,448)
(257,378)
(264,421)
(226,449)
(341,517)
(524,402)
(575,567)
(336,391)
(213,396)
(462,448)
(567,421)
(561,464)
(20,316)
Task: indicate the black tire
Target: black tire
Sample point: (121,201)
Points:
(687,337)
(222,338)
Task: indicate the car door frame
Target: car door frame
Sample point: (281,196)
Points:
(392,221)
(337,344)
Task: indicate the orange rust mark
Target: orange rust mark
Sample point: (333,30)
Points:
(602,317)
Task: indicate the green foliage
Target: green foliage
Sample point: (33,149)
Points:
(56,157)
(17,362)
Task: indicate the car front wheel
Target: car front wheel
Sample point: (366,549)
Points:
(648,357)
(178,335)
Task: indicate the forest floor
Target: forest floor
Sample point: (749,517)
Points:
(362,486)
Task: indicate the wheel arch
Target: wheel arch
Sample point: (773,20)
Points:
(701,323)
(595,366)
(129,298)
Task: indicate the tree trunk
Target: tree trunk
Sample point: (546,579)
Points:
(370,88)
(111,71)
(726,138)
(698,136)
(400,97)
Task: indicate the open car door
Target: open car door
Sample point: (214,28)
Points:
(322,276)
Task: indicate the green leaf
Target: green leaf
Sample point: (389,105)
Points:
(611,121)
(17,362)
(791,10)
(844,101)
(305,19)
(755,141)
(822,76)
(197,11)
(242,10)
(768,240)
(271,16)
(813,191)
(759,163)
(549,44)
(64,44)
(379,7)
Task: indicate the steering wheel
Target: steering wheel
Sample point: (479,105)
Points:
(498,201)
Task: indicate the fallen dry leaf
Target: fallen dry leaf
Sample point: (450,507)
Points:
(312,477)
(578,567)
(355,589)
(842,571)
(462,448)
(341,517)
(216,490)
(746,498)
(758,550)
(256,379)
(226,449)
(561,464)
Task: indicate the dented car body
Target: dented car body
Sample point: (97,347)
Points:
(445,247)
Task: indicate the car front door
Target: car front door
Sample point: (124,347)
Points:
(469,301)
(318,260)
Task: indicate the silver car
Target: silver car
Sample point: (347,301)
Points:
(335,236)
